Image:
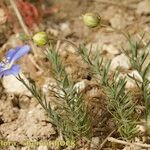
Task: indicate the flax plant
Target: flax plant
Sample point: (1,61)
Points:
(121,106)
(119,101)
(138,56)
(74,104)
(71,116)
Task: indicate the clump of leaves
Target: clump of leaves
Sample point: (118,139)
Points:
(121,106)
(77,119)
(71,117)
(119,101)
(138,55)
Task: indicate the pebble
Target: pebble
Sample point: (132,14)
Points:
(95,142)
(13,85)
(121,61)
(80,85)
(65,28)
(143,7)
(141,128)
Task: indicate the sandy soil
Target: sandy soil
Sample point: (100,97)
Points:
(21,117)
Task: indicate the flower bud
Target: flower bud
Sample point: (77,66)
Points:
(40,38)
(91,20)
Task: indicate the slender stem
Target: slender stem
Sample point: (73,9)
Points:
(23,25)
(104,142)
(16,10)
(64,40)
(113,29)
(113,140)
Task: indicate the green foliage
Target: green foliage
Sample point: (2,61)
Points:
(77,121)
(138,57)
(71,117)
(138,61)
(121,106)
(119,101)
(95,65)
(58,71)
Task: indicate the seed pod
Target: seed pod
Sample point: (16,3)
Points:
(40,38)
(91,20)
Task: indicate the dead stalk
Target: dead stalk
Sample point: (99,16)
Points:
(113,140)
(104,142)
(16,10)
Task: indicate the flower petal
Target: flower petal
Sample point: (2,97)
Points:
(11,53)
(20,52)
(14,70)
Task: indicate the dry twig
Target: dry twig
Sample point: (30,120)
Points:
(113,140)
(104,142)
(26,31)
(24,27)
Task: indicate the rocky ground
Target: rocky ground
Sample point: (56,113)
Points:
(21,117)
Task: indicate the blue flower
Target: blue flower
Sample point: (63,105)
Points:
(7,65)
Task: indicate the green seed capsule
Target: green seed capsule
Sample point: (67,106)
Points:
(40,38)
(91,20)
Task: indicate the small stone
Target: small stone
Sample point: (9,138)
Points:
(65,28)
(13,85)
(143,7)
(121,61)
(95,142)
(80,85)
(141,128)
